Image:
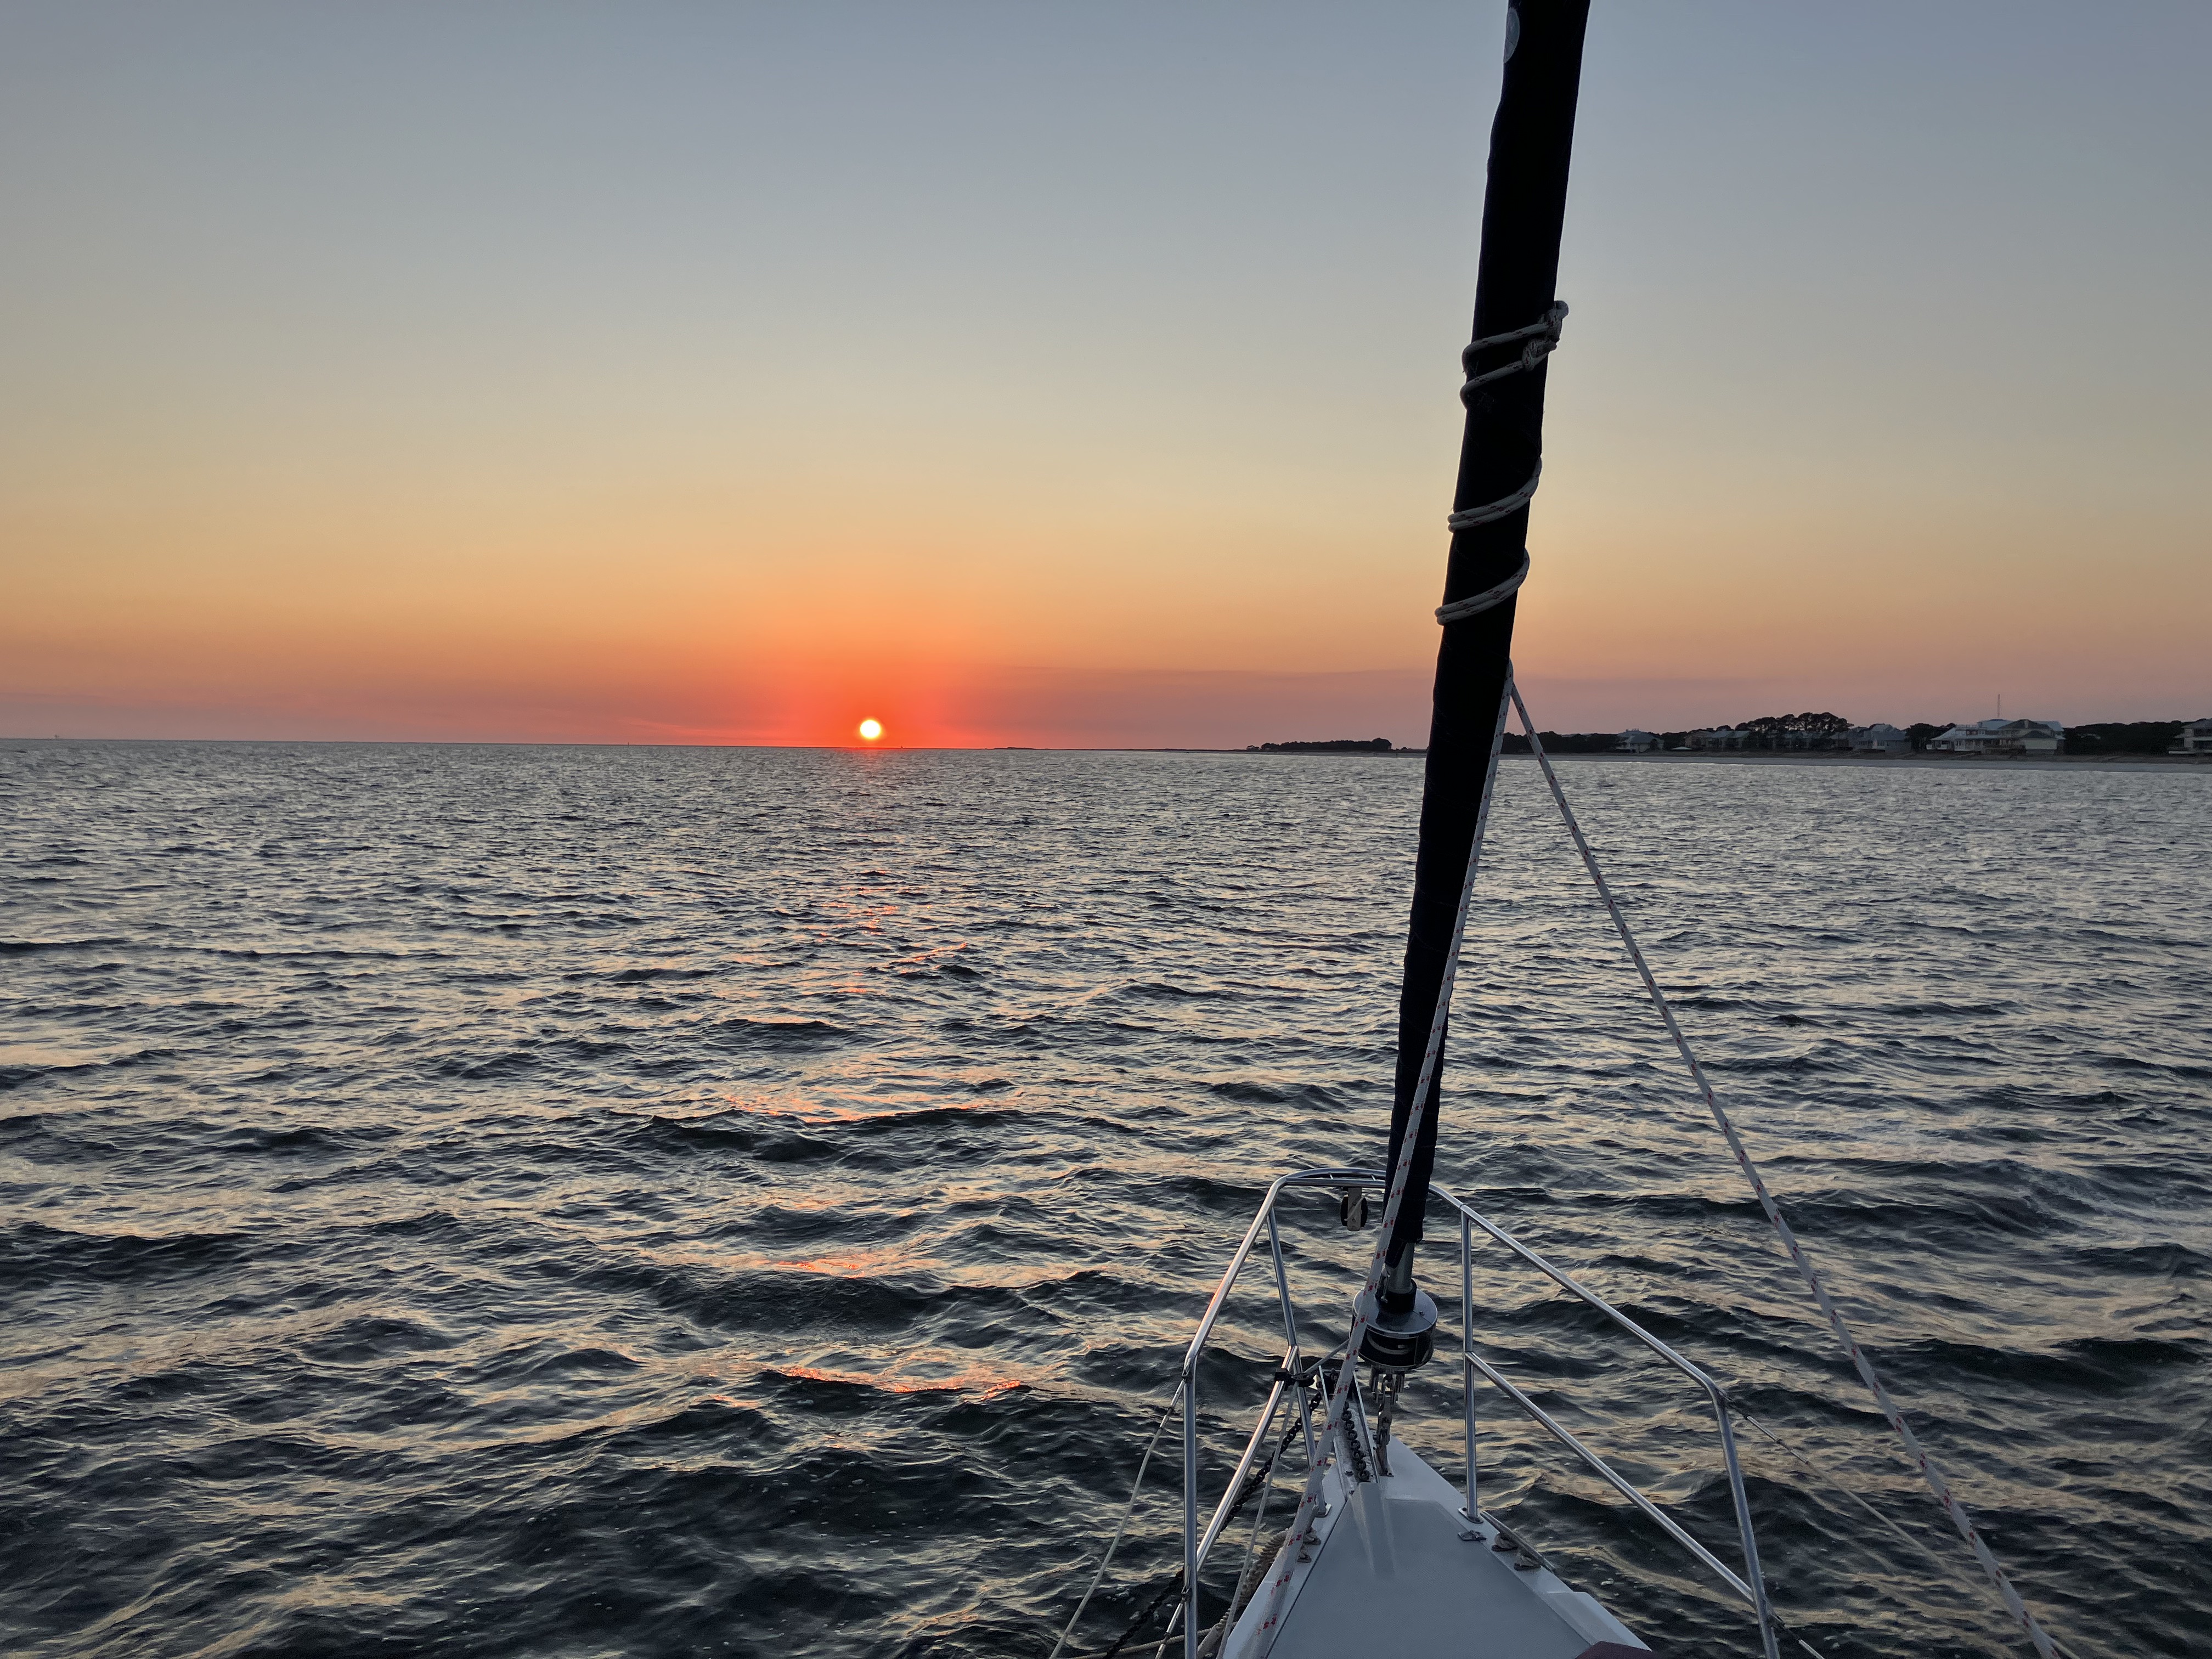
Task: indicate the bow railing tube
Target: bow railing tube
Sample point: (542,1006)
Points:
(1516,324)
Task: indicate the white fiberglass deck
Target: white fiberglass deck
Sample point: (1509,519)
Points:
(1399,1569)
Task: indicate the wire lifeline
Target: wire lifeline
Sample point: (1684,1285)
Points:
(1254,1483)
(1836,1484)
(1173,1584)
(1364,1305)
(1262,1481)
(1122,1526)
(1803,1263)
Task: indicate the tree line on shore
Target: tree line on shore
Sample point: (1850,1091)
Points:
(1827,730)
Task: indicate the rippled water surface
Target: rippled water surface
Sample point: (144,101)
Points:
(580,1201)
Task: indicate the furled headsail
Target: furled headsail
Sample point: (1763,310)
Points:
(1517,323)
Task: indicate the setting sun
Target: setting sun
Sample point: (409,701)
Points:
(870,730)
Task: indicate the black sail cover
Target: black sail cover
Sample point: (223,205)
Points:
(1523,209)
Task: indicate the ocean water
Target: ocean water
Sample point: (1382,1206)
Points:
(567,1201)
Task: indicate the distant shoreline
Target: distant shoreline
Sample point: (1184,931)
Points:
(1969,762)
(1787,757)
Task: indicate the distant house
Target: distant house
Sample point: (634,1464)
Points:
(2001,737)
(1638,743)
(1880,738)
(2194,738)
(1719,738)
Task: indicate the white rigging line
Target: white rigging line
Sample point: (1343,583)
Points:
(1363,1307)
(1123,1525)
(1803,1262)
(1541,338)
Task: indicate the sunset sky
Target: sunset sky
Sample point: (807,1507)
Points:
(1056,373)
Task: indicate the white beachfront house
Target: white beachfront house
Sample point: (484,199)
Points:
(1720,738)
(2001,737)
(1880,738)
(1636,743)
(2194,738)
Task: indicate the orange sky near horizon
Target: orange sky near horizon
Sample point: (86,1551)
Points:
(732,380)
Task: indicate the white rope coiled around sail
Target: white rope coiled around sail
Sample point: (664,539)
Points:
(1502,508)
(1541,339)
(1798,1259)
(1475,603)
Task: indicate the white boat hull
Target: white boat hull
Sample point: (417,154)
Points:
(1400,1569)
